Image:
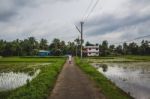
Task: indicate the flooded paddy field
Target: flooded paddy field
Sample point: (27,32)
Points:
(132,77)
(12,80)
(14,75)
(28,77)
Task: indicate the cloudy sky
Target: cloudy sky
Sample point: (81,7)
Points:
(113,20)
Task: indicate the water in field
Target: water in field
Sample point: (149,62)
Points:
(133,78)
(14,80)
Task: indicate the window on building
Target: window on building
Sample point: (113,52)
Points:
(96,48)
(89,48)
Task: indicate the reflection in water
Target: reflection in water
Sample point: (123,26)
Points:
(103,66)
(134,78)
(13,80)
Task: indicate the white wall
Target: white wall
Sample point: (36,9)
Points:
(93,54)
(92,50)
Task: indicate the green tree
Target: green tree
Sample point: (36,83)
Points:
(119,49)
(133,48)
(104,48)
(111,49)
(144,49)
(2,47)
(89,44)
(43,44)
(55,47)
(125,48)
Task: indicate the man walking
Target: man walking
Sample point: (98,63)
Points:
(70,58)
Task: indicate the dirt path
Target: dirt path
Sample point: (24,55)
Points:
(72,83)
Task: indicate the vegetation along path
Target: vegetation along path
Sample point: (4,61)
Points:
(72,83)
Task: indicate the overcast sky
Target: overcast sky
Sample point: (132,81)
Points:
(112,20)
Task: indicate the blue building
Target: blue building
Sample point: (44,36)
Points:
(43,53)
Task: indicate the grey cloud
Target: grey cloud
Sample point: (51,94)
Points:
(145,2)
(7,15)
(110,23)
(141,29)
(10,8)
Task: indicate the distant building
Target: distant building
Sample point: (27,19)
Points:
(43,53)
(91,50)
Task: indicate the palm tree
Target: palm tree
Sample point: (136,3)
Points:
(43,44)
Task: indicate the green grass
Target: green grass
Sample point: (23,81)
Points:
(138,58)
(107,87)
(41,86)
(28,59)
(29,68)
(127,58)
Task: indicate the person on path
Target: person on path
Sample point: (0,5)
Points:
(70,58)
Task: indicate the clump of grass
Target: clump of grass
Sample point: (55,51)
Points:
(107,87)
(28,83)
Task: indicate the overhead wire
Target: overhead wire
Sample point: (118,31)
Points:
(88,8)
(91,11)
(140,37)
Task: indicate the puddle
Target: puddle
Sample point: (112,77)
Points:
(133,78)
(14,80)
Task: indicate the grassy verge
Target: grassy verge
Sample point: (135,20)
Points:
(41,86)
(106,86)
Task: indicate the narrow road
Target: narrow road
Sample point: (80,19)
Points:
(72,83)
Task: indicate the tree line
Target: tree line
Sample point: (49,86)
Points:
(30,47)
(125,49)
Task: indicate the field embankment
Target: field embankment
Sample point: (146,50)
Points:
(110,90)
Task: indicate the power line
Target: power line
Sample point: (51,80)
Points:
(88,8)
(140,37)
(91,11)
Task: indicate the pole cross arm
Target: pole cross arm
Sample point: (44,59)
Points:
(78,29)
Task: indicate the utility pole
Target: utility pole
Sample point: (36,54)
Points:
(81,37)
(76,47)
(81,32)
(77,44)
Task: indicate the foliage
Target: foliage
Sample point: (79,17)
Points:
(125,49)
(104,48)
(89,44)
(30,47)
(43,44)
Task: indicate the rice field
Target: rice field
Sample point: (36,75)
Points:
(130,73)
(20,75)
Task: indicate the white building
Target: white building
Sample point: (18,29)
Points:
(92,50)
